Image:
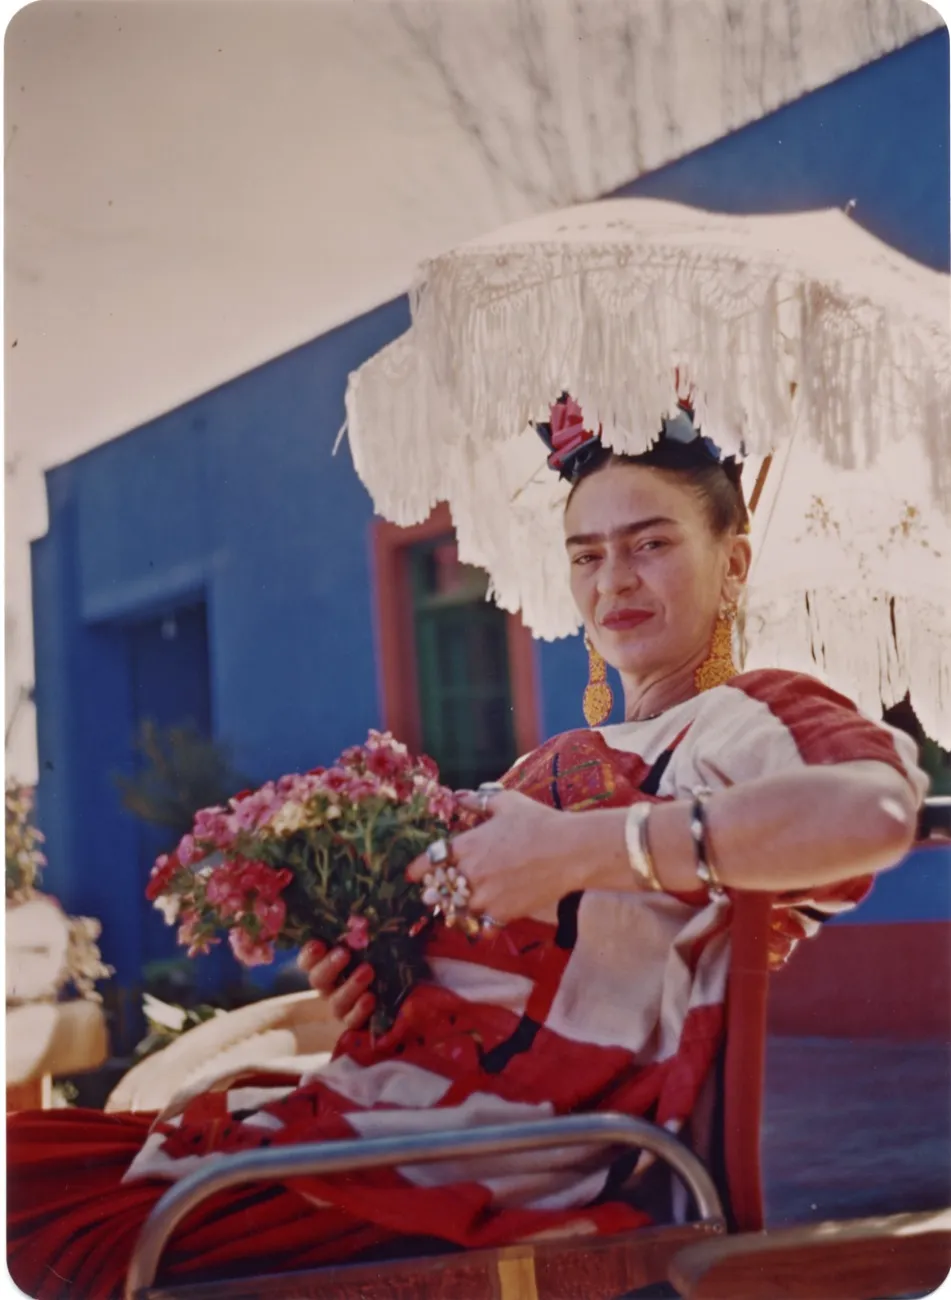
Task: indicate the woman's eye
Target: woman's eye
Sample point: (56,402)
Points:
(584,559)
(652,544)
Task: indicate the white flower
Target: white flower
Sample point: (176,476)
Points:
(169,905)
(288,819)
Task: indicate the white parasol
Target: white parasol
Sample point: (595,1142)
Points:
(803,337)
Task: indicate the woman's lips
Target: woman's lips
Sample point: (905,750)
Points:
(621,620)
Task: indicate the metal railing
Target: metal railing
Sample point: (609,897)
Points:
(935,817)
(346,1156)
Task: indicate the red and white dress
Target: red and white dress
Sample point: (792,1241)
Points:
(612,1002)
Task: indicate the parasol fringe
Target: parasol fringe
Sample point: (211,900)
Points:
(771,353)
(874,647)
(614,329)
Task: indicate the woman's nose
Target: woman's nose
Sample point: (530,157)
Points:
(616,575)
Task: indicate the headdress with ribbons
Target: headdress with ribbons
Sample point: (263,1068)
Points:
(574,450)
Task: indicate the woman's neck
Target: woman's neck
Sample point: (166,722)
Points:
(647,697)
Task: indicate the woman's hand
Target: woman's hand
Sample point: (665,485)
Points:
(351,1003)
(515,861)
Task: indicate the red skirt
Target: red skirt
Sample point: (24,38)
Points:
(72,1224)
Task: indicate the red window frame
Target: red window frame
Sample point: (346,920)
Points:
(396,649)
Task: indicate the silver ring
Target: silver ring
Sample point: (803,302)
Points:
(489,922)
(486,791)
(438,853)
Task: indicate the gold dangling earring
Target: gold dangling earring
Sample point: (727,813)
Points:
(718,667)
(598,696)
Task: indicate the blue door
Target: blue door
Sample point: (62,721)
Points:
(171,687)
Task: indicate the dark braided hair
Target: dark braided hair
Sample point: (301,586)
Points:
(576,452)
(717,484)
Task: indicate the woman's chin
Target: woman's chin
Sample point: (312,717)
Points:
(629,663)
(630,654)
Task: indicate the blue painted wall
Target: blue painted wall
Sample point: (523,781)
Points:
(918,890)
(234,502)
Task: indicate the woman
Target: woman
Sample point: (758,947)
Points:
(601,880)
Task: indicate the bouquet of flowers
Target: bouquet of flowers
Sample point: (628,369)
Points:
(316,856)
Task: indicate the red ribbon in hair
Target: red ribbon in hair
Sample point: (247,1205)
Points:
(567,431)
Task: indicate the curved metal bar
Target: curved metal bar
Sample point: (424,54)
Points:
(934,819)
(346,1156)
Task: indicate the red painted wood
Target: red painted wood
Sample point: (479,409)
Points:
(396,651)
(745,1065)
(909,1254)
(524,685)
(597,1268)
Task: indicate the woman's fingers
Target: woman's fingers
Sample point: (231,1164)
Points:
(343,1001)
(351,1002)
(362,1009)
(459,845)
(419,868)
(325,973)
(310,954)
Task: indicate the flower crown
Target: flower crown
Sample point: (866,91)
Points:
(573,449)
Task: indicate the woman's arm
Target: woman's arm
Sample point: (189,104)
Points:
(780,833)
(799,830)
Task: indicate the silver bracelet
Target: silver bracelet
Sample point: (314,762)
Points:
(706,872)
(638,847)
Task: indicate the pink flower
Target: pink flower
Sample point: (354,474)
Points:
(189,935)
(251,811)
(186,851)
(386,764)
(223,892)
(249,951)
(362,787)
(271,916)
(336,780)
(213,826)
(357,936)
(245,887)
(440,802)
(386,740)
(161,876)
(260,878)
(352,758)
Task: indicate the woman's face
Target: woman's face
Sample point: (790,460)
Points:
(647,573)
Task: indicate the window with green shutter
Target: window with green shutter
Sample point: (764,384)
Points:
(462,657)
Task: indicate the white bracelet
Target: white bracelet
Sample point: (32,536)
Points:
(638,848)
